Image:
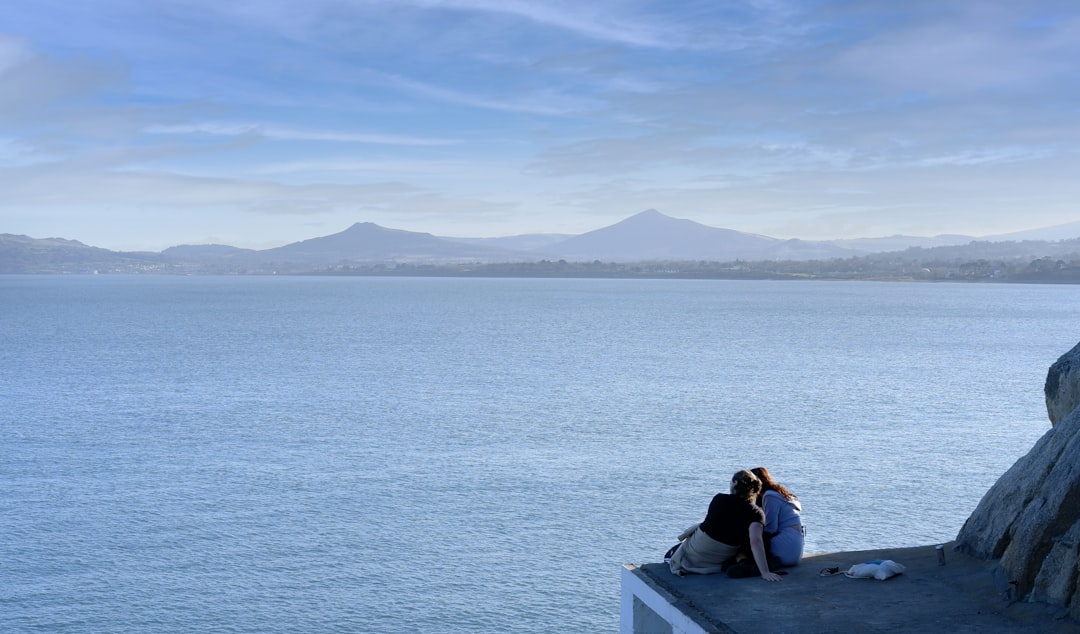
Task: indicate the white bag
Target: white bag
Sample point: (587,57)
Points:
(881,570)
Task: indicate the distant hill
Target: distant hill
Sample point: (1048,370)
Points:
(651,235)
(368,242)
(530,242)
(23,254)
(1066,231)
(203,251)
(648,236)
(1011,250)
(899,243)
(362,243)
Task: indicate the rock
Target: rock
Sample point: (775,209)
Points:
(1030,519)
(988,531)
(1063,385)
(1056,581)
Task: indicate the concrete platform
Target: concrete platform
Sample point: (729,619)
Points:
(961,596)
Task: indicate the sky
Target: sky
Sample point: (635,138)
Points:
(144,124)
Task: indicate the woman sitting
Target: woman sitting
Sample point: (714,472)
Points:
(733,522)
(784,530)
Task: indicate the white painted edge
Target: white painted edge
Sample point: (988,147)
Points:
(635,584)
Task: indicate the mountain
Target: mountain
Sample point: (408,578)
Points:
(899,243)
(202,251)
(1006,250)
(536,242)
(643,237)
(368,242)
(650,235)
(1066,231)
(361,244)
(23,254)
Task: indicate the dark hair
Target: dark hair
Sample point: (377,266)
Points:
(768,484)
(745,485)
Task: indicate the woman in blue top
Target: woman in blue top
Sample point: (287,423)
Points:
(784,530)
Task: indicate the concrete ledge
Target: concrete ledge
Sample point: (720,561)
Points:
(961,596)
(648,607)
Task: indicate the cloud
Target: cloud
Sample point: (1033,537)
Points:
(13,52)
(350,165)
(33,83)
(543,102)
(14,153)
(607,22)
(591,20)
(79,186)
(981,47)
(233,129)
(953,84)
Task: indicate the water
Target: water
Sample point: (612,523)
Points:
(457,455)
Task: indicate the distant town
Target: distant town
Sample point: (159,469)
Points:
(1044,270)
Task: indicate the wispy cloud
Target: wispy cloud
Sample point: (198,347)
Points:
(981,46)
(235,129)
(30,81)
(541,102)
(592,20)
(13,52)
(354,166)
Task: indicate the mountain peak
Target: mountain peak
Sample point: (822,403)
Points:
(358,227)
(648,214)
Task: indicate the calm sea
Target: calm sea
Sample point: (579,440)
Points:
(261,454)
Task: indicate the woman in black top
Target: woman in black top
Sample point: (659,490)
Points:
(733,522)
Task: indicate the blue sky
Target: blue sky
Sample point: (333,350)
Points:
(141,124)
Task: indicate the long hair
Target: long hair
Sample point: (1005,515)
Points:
(745,485)
(768,484)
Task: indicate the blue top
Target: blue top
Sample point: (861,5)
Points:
(779,512)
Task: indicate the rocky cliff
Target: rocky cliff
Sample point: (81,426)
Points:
(1029,521)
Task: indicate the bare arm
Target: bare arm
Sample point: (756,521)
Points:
(757,546)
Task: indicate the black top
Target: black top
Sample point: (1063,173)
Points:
(729,519)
